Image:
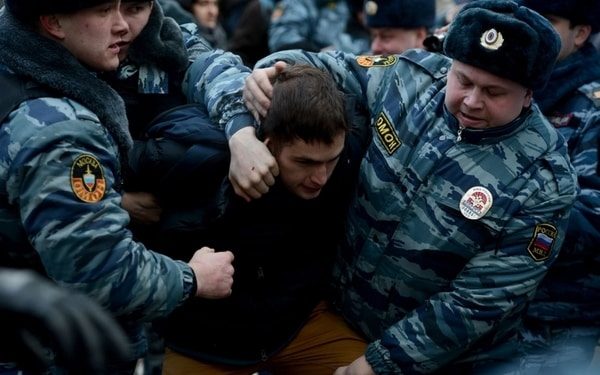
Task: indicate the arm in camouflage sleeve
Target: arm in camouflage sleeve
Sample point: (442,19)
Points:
(216,80)
(80,233)
(292,23)
(584,226)
(487,296)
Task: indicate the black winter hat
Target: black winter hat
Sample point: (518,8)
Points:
(400,13)
(29,10)
(579,12)
(505,39)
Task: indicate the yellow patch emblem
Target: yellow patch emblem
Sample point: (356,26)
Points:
(87,179)
(376,61)
(386,133)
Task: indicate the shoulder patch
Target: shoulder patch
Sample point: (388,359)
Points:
(540,245)
(87,179)
(376,61)
(387,134)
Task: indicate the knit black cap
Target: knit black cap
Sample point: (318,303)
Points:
(505,39)
(400,13)
(579,12)
(29,10)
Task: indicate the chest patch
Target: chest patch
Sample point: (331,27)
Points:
(386,133)
(540,245)
(87,179)
(476,203)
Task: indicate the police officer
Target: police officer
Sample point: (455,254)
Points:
(463,196)
(314,25)
(62,157)
(399,25)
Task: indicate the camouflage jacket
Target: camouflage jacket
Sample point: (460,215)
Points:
(450,232)
(60,176)
(571,101)
(313,25)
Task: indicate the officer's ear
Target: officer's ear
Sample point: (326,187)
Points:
(528,98)
(582,33)
(50,25)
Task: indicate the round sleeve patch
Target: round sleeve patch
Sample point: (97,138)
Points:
(87,179)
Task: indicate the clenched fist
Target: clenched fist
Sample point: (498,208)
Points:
(214,272)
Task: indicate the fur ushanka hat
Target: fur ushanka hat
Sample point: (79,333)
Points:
(400,13)
(579,12)
(505,39)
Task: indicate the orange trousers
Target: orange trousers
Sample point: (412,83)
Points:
(325,343)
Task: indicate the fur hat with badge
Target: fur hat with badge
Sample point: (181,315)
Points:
(504,39)
(29,10)
(400,13)
(579,12)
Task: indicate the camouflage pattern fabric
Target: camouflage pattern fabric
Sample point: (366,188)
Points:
(319,23)
(450,232)
(60,181)
(571,292)
(572,350)
(563,325)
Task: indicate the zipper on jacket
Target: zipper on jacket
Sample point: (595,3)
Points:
(459,134)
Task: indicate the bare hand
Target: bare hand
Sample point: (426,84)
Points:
(142,207)
(360,366)
(252,169)
(214,272)
(258,89)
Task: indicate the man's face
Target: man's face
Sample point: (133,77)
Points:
(571,36)
(206,12)
(305,168)
(137,15)
(94,35)
(479,99)
(388,41)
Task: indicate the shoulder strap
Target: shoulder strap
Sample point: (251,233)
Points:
(17,89)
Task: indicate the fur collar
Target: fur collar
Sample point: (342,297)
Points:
(160,44)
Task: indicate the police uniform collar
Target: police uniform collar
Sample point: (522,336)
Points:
(481,136)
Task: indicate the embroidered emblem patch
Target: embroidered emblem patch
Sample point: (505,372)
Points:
(541,242)
(87,179)
(476,203)
(386,133)
(376,61)
(491,39)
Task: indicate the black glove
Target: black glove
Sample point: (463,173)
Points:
(43,324)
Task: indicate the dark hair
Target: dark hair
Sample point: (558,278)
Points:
(306,104)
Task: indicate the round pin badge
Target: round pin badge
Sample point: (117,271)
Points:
(476,202)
